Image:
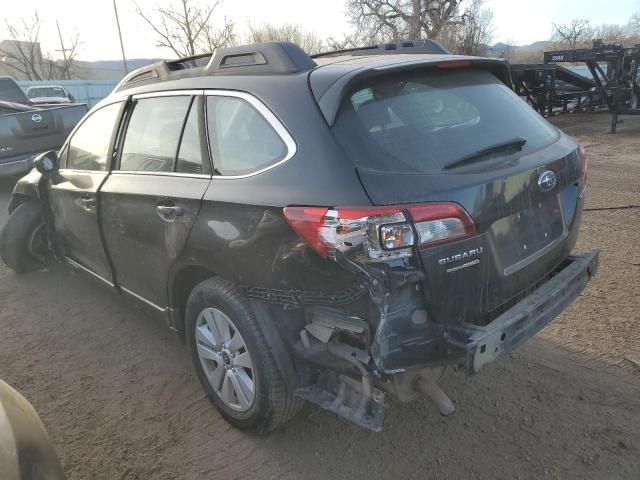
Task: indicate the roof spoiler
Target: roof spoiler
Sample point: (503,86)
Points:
(258,59)
(330,95)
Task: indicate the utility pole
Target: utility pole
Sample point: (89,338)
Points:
(124,58)
(64,52)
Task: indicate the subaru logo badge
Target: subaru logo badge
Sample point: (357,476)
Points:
(547,181)
(36,118)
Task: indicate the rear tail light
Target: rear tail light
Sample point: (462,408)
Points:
(582,158)
(440,223)
(307,222)
(382,233)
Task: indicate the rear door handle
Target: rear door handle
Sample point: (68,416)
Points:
(169,212)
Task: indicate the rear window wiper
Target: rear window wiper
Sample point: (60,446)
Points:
(513,144)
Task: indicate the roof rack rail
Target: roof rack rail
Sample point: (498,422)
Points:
(270,57)
(257,59)
(403,47)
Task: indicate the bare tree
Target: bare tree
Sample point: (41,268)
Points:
(71,52)
(633,29)
(610,33)
(219,37)
(22,52)
(572,34)
(476,29)
(349,40)
(634,24)
(308,41)
(508,50)
(384,20)
(472,33)
(186,28)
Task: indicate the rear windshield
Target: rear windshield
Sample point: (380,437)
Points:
(46,92)
(419,123)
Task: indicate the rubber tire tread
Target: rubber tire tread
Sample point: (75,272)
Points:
(275,404)
(14,238)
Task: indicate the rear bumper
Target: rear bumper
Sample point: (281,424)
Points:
(16,165)
(526,318)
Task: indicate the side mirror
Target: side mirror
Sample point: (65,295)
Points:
(47,163)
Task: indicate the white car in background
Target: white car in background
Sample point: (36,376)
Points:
(49,94)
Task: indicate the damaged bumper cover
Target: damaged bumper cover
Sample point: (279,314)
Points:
(526,318)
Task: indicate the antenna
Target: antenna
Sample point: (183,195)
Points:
(124,58)
(64,52)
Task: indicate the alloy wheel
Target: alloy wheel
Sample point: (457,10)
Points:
(225,359)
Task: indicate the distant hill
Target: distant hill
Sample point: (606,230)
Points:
(107,69)
(132,63)
(538,44)
(500,47)
(531,53)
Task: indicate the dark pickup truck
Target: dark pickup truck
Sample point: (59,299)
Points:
(27,130)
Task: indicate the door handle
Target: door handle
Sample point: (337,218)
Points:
(169,212)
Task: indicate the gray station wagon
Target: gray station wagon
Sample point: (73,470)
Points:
(333,229)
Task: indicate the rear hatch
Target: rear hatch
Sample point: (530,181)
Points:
(461,135)
(37,130)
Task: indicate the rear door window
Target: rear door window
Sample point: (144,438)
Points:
(419,123)
(241,139)
(153,133)
(190,156)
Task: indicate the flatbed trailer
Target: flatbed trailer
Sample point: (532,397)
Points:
(615,86)
(548,86)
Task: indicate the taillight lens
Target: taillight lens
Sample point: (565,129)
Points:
(384,233)
(440,223)
(582,158)
(307,221)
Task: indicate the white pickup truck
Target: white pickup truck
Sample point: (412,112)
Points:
(49,95)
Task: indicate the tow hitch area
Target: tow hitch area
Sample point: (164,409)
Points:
(364,405)
(529,316)
(349,399)
(357,378)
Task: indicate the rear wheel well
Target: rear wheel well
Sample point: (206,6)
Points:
(183,283)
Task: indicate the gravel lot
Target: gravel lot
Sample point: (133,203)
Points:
(118,396)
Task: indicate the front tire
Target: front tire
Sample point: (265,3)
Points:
(233,360)
(22,238)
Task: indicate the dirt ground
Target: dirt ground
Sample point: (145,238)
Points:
(118,396)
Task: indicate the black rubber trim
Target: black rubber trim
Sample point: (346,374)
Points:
(526,318)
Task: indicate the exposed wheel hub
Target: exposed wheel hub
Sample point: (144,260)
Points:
(226,358)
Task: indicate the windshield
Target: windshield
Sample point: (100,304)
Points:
(420,123)
(46,92)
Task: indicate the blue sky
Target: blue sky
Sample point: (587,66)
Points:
(516,21)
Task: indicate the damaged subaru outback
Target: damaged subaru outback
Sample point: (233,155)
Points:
(336,229)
